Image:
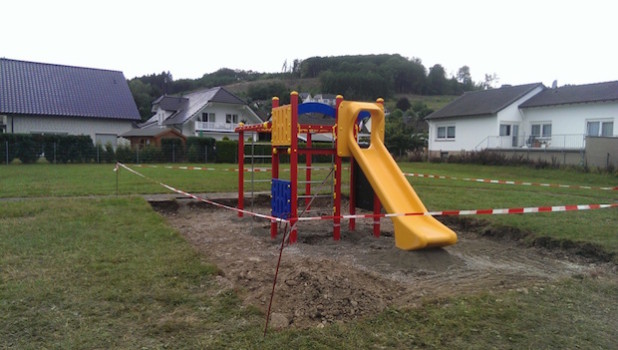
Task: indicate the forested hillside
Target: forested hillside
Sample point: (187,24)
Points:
(361,77)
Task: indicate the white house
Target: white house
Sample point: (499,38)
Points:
(211,112)
(562,117)
(466,123)
(40,98)
(527,116)
(328,99)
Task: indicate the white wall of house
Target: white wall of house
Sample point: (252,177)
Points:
(569,123)
(572,119)
(469,133)
(103,130)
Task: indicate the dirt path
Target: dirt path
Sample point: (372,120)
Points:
(322,281)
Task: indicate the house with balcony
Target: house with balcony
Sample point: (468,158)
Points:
(547,123)
(214,112)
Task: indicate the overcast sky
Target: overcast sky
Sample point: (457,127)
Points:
(521,41)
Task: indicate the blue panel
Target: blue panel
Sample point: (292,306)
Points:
(362,115)
(281,193)
(314,107)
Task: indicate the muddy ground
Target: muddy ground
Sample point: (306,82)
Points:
(322,281)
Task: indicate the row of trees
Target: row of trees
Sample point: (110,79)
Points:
(360,76)
(356,77)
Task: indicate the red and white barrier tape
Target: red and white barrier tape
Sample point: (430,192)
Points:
(508,182)
(520,210)
(219,205)
(526,210)
(426,176)
(248,170)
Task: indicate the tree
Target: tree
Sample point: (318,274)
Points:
(400,135)
(421,110)
(436,80)
(143,94)
(490,80)
(465,78)
(403,104)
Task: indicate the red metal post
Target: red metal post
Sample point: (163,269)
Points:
(294,166)
(275,175)
(377,206)
(308,172)
(337,194)
(274,172)
(241,172)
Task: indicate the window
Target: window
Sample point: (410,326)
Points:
(207,117)
(600,128)
(231,118)
(541,130)
(505,130)
(446,133)
(607,129)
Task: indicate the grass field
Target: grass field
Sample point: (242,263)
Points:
(107,272)
(596,227)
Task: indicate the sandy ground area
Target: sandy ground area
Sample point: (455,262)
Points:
(322,281)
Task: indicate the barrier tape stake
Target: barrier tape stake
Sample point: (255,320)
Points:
(272,293)
(117,178)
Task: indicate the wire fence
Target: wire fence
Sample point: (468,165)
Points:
(59,153)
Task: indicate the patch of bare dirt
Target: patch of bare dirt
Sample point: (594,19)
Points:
(323,281)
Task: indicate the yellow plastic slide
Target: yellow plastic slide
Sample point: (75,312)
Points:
(388,182)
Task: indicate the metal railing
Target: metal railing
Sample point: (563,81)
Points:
(213,126)
(553,142)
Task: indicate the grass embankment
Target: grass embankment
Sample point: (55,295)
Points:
(109,273)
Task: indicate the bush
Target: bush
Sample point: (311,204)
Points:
(124,154)
(7,154)
(28,150)
(68,148)
(486,157)
(172,150)
(56,148)
(227,151)
(150,154)
(109,156)
(200,149)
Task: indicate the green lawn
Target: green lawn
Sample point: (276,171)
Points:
(109,273)
(598,227)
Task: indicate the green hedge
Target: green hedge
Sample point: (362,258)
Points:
(200,149)
(67,148)
(227,151)
(56,148)
(125,154)
(80,149)
(172,150)
(8,148)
